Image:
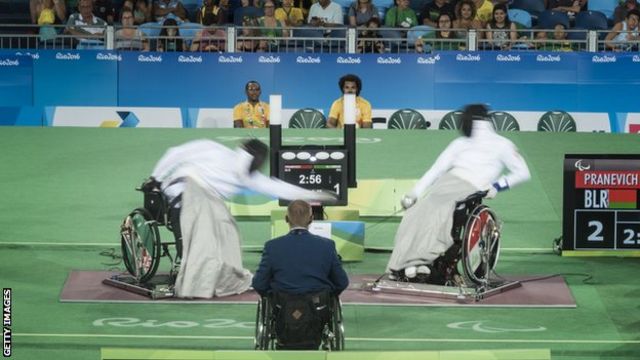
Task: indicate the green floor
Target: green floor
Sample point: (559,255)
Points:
(64,192)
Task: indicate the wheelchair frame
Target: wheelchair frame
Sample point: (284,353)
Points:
(142,248)
(265,337)
(477,249)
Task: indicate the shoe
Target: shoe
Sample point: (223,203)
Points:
(424,270)
(392,277)
(410,272)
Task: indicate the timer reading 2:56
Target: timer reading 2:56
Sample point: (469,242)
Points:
(316,179)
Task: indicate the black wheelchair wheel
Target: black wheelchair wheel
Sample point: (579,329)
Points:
(337,325)
(140,241)
(480,245)
(264,325)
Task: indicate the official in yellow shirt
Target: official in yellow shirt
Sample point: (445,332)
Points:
(350,84)
(252,113)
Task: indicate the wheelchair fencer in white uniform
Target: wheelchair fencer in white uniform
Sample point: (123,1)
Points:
(189,185)
(449,224)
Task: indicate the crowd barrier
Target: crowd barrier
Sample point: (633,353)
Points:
(108,88)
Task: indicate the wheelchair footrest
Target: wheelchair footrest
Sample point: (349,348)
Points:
(440,291)
(159,287)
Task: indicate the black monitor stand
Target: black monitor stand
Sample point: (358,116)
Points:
(318,212)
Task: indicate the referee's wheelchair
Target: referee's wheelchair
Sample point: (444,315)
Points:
(142,247)
(466,269)
(299,322)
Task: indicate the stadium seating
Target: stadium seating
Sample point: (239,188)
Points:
(307,118)
(521,17)
(592,20)
(533,7)
(548,19)
(407,119)
(607,7)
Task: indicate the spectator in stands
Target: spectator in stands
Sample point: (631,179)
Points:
(559,41)
(169,9)
(169,39)
(127,5)
(361,11)
(252,113)
(105,10)
(57,7)
(501,32)
(85,26)
(368,40)
(484,11)
(432,10)
(213,12)
(571,7)
(129,37)
(304,5)
(401,15)
(271,27)
(466,19)
(444,36)
(212,38)
(47,17)
(325,13)
(141,12)
(350,84)
(291,16)
(620,13)
(625,35)
(246,42)
(251,9)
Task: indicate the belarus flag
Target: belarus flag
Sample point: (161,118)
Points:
(623,199)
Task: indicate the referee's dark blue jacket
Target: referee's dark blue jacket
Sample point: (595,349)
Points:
(300,263)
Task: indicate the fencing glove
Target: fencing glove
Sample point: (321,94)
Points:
(407,201)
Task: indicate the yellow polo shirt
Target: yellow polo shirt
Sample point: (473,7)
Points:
(252,116)
(363,111)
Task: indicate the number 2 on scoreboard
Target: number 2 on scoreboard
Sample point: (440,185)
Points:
(596,235)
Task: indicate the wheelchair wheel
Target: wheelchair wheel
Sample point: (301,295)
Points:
(264,325)
(338,324)
(334,339)
(480,245)
(140,241)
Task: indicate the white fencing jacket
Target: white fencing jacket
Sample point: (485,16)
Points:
(480,160)
(221,171)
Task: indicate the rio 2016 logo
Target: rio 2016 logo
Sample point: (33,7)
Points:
(176,324)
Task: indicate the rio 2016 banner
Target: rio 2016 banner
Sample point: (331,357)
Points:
(191,83)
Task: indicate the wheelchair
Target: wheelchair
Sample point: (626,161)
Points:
(140,235)
(475,251)
(326,326)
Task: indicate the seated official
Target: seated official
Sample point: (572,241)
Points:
(302,270)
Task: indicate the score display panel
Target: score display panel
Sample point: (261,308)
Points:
(315,169)
(601,205)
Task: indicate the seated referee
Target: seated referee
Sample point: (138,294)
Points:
(300,272)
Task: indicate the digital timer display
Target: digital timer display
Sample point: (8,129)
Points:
(601,205)
(316,170)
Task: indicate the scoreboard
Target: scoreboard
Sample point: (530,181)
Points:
(316,169)
(601,203)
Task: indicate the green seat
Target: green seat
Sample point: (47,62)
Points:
(451,121)
(307,118)
(407,119)
(503,121)
(557,121)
